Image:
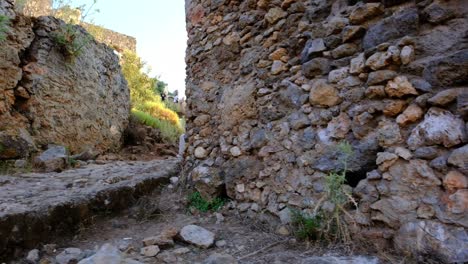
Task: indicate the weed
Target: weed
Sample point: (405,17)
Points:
(71,41)
(198,202)
(72,162)
(4,22)
(307,227)
(334,225)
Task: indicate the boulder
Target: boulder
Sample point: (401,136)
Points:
(197,236)
(53,159)
(433,240)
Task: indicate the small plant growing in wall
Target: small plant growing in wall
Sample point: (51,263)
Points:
(334,226)
(329,225)
(196,201)
(4,21)
(71,41)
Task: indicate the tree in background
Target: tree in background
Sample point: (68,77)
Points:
(147,106)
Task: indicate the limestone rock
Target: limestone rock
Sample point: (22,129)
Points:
(344,50)
(163,240)
(379,60)
(459,157)
(33,256)
(149,251)
(378,77)
(53,159)
(338,75)
(412,114)
(317,66)
(323,94)
(439,127)
(313,48)
(407,55)
(447,96)
(352,32)
(197,236)
(398,25)
(375,91)
(108,254)
(277,67)
(455,180)
(275,14)
(364,12)
(235,151)
(448,244)
(207,181)
(393,107)
(399,87)
(435,13)
(200,152)
(69,256)
(357,64)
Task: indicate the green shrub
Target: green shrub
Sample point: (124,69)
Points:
(334,226)
(169,131)
(71,41)
(4,22)
(306,227)
(196,201)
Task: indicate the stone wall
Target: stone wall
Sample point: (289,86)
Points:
(116,40)
(274,86)
(46,97)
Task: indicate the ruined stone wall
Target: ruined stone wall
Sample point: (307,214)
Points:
(111,38)
(46,97)
(116,40)
(274,86)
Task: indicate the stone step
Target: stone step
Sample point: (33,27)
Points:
(35,208)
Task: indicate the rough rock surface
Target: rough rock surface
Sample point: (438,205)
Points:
(197,236)
(42,101)
(386,76)
(46,198)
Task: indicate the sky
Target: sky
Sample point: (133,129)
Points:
(158,26)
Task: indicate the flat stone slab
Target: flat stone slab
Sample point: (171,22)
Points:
(36,207)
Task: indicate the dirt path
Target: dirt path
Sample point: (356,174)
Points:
(243,239)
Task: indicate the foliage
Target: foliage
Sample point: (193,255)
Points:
(160,87)
(306,227)
(71,41)
(169,131)
(330,224)
(334,226)
(140,84)
(196,201)
(159,110)
(148,107)
(173,106)
(4,21)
